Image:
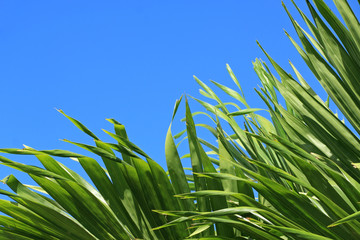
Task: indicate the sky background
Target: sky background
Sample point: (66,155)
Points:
(128,60)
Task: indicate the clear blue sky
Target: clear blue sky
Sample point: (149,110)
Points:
(128,60)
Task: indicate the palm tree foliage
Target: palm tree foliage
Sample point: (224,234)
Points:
(303,164)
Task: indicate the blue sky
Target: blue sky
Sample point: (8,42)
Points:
(128,60)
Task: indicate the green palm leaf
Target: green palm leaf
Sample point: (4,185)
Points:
(294,176)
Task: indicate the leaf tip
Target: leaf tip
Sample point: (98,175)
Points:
(59,110)
(26,147)
(4,181)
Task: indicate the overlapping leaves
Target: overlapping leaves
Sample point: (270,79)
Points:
(294,177)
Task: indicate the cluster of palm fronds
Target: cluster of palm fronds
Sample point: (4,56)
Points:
(294,177)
